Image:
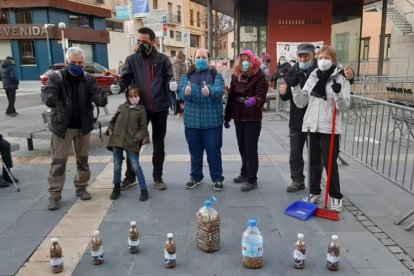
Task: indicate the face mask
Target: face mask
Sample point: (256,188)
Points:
(245,66)
(145,49)
(324,64)
(75,69)
(282,61)
(201,64)
(134,101)
(305,65)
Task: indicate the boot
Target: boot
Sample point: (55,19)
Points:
(3,184)
(7,178)
(115,192)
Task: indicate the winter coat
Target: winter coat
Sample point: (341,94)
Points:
(254,86)
(57,95)
(9,76)
(202,112)
(152,75)
(178,67)
(281,70)
(129,127)
(319,114)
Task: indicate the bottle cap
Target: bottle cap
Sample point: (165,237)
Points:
(300,236)
(170,235)
(133,223)
(96,233)
(252,223)
(334,237)
(54,239)
(207,203)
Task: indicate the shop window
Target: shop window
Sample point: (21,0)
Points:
(27,51)
(177,36)
(78,20)
(23,17)
(3,17)
(194,40)
(365,47)
(116,26)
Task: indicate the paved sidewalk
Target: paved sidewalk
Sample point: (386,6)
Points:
(370,243)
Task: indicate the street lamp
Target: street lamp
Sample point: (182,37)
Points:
(62,27)
(46,28)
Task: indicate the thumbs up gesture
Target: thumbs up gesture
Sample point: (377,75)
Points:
(336,87)
(283,88)
(205,90)
(188,89)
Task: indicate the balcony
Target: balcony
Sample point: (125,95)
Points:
(173,19)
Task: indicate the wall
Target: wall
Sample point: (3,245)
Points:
(118,49)
(371,27)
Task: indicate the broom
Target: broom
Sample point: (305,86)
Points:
(325,213)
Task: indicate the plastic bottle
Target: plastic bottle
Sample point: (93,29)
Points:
(169,252)
(299,254)
(97,250)
(56,260)
(133,239)
(252,246)
(332,258)
(208,227)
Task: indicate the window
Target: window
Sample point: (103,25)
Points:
(3,17)
(342,47)
(155,4)
(27,51)
(173,53)
(387,46)
(23,17)
(365,47)
(191,18)
(169,8)
(99,1)
(88,49)
(248,29)
(179,14)
(177,36)
(116,26)
(232,45)
(194,40)
(198,20)
(79,20)
(225,46)
(171,34)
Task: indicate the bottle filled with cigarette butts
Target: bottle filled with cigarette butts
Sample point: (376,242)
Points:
(252,246)
(56,260)
(332,258)
(97,250)
(299,253)
(169,252)
(208,227)
(133,238)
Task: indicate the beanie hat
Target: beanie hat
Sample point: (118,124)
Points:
(250,55)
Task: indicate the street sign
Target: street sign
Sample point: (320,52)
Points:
(185,39)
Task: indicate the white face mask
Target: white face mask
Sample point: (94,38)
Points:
(324,64)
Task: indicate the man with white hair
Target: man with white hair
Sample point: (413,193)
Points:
(70,93)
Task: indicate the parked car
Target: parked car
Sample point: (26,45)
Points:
(105,79)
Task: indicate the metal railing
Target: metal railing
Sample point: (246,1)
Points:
(381,135)
(173,19)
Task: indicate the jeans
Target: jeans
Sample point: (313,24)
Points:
(319,147)
(248,133)
(133,158)
(11,97)
(159,129)
(211,141)
(173,101)
(297,142)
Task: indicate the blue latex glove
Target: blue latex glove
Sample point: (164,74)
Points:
(250,102)
(226,124)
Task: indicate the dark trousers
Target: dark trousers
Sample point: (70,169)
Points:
(159,129)
(11,97)
(319,147)
(173,101)
(297,142)
(6,153)
(248,133)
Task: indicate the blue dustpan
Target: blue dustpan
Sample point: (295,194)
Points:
(302,210)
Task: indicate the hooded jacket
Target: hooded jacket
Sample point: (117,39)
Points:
(152,74)
(9,76)
(319,114)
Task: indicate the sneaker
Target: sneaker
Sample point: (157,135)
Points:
(193,183)
(239,179)
(144,195)
(116,192)
(218,186)
(54,203)
(336,204)
(248,187)
(128,183)
(295,187)
(83,194)
(159,184)
(316,199)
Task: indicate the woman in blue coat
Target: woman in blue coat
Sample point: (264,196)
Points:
(10,84)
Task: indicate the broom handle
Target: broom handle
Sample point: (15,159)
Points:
(330,160)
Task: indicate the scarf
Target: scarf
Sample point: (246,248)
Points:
(320,87)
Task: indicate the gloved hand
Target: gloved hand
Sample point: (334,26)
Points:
(336,87)
(250,102)
(292,77)
(227,124)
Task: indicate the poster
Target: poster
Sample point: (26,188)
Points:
(141,8)
(288,49)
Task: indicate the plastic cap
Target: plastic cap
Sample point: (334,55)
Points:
(252,223)
(96,233)
(170,235)
(207,203)
(54,239)
(334,237)
(300,236)
(133,223)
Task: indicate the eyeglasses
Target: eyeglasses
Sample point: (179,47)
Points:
(142,42)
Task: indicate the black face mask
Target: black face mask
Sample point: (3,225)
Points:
(145,49)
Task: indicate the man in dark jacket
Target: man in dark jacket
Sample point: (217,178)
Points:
(7,162)
(70,93)
(152,72)
(10,84)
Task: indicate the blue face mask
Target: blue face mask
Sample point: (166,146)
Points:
(245,66)
(201,64)
(305,65)
(75,69)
